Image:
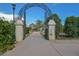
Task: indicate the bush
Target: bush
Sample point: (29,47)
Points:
(6,36)
(28,29)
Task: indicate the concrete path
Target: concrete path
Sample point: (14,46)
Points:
(36,45)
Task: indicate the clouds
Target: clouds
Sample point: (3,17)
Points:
(8,17)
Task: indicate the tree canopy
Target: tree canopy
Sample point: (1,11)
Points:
(71,26)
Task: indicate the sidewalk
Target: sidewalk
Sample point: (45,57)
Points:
(36,45)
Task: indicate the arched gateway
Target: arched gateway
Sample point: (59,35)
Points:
(29,5)
(22,14)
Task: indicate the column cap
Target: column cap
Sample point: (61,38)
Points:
(19,22)
(51,22)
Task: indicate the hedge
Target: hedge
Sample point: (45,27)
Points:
(6,36)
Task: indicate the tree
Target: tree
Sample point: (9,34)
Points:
(57,20)
(38,24)
(71,26)
(77,25)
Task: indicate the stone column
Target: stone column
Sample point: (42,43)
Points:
(19,30)
(51,30)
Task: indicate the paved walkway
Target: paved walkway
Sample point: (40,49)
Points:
(36,45)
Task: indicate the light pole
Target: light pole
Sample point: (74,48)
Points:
(13,7)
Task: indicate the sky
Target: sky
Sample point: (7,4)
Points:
(63,10)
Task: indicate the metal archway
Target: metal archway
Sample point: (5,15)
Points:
(29,5)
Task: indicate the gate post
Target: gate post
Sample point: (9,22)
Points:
(51,30)
(19,30)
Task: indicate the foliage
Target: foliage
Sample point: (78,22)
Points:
(6,35)
(38,24)
(72,26)
(28,29)
(57,20)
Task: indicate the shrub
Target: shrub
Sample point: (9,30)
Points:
(28,29)
(6,36)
